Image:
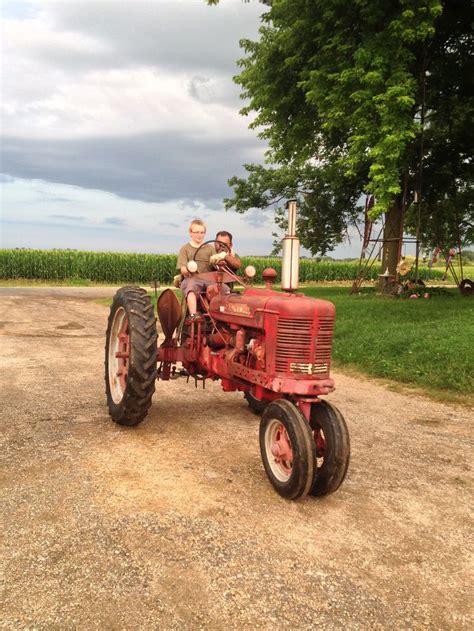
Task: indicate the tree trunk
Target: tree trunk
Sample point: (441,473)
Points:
(392,239)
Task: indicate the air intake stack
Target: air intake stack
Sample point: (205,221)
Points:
(291,252)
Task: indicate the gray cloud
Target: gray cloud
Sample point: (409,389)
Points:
(170,224)
(189,205)
(56,199)
(114,221)
(75,218)
(150,167)
(198,88)
(166,33)
(256,218)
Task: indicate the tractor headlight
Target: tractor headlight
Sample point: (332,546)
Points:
(250,271)
(192,266)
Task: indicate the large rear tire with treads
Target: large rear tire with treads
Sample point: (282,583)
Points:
(130,356)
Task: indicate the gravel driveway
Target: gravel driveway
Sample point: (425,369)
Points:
(173,524)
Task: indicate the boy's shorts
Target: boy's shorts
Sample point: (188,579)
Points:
(199,285)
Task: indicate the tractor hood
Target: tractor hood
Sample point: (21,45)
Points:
(253,306)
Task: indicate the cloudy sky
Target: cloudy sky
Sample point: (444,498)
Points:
(120,124)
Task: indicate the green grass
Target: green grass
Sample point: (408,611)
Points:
(423,343)
(468,272)
(440,268)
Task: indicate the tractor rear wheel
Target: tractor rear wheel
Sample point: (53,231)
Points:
(257,406)
(331,438)
(130,356)
(288,449)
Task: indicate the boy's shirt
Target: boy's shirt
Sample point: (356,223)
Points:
(187,253)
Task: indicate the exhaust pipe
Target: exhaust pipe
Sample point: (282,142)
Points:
(290,263)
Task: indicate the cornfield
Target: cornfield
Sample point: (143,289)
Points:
(102,267)
(116,267)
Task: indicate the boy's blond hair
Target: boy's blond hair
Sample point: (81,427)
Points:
(197,222)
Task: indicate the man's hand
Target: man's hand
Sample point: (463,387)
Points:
(217,258)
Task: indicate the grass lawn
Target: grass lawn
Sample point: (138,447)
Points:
(468,271)
(425,343)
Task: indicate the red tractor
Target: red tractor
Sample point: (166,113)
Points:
(274,346)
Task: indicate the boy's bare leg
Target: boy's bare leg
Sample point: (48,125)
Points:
(192,302)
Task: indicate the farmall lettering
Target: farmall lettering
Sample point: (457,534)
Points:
(235,308)
(273,346)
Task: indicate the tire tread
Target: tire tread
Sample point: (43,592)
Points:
(140,387)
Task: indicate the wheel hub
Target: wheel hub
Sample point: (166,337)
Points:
(280,448)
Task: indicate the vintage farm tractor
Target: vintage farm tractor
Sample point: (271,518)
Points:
(274,346)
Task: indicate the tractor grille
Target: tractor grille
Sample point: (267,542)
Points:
(297,352)
(293,343)
(324,341)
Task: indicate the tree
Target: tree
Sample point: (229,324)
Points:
(369,96)
(445,213)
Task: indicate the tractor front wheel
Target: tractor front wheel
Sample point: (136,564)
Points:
(288,449)
(331,438)
(130,356)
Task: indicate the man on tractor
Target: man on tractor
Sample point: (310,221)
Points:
(225,251)
(225,254)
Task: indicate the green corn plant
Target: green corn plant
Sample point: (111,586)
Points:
(117,267)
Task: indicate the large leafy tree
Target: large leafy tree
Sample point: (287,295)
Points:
(367,96)
(445,214)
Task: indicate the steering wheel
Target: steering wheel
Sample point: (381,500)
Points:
(211,241)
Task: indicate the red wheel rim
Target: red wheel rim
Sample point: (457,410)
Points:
(278,450)
(119,355)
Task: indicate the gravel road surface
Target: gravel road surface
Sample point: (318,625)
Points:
(173,524)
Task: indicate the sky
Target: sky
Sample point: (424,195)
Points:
(120,124)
